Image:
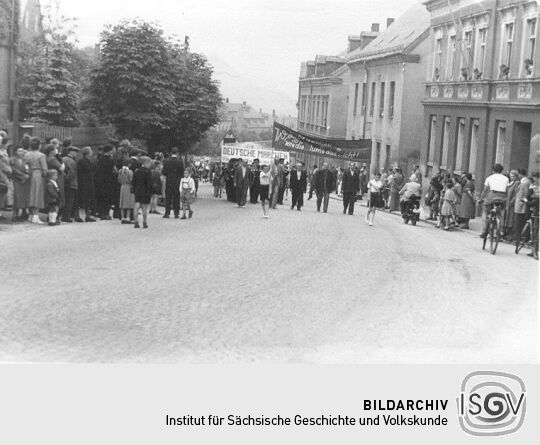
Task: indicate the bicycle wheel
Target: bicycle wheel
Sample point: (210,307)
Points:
(486,237)
(495,235)
(522,240)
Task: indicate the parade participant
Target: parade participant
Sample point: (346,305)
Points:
(278,178)
(350,187)
(85,179)
(20,177)
(106,180)
(324,185)
(467,209)
(216,182)
(71,185)
(142,190)
(37,163)
(495,188)
(255,182)
(362,178)
(241,183)
(53,196)
(298,185)
(127,198)
(156,186)
(265,180)
(173,170)
(311,182)
(187,193)
(375,187)
(283,184)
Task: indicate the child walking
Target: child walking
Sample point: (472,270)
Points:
(142,188)
(127,199)
(264,177)
(187,192)
(375,187)
(53,197)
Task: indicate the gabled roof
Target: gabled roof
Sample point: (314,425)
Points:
(400,37)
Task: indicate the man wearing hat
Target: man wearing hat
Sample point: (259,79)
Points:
(173,171)
(71,184)
(105,182)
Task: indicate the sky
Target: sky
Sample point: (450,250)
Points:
(261,43)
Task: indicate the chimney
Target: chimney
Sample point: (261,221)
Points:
(389,21)
(374,27)
(273,113)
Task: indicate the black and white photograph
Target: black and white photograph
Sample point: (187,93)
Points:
(269,183)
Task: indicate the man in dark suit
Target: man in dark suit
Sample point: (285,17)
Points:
(298,185)
(350,187)
(173,170)
(255,182)
(324,185)
(241,183)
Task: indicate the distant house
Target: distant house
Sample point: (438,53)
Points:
(243,117)
(20,21)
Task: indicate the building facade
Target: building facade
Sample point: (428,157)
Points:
(482,89)
(386,91)
(324,91)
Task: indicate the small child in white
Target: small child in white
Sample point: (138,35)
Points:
(187,193)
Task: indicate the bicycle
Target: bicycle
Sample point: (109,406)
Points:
(529,235)
(493,227)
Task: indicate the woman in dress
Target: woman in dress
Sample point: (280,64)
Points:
(448,208)
(37,164)
(375,187)
(21,189)
(509,215)
(85,179)
(467,210)
(54,162)
(127,198)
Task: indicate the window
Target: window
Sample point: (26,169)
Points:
(460,143)
(445,142)
(372,102)
(481,55)
(437,58)
(531,38)
(451,57)
(500,144)
(473,150)
(387,158)
(317,114)
(364,94)
(325,112)
(508,43)
(381,101)
(355,98)
(432,138)
(468,50)
(391,100)
(378,159)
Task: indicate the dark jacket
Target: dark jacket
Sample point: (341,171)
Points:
(240,180)
(106,179)
(85,178)
(298,185)
(173,170)
(142,185)
(350,182)
(53,194)
(324,181)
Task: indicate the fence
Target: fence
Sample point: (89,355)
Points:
(80,136)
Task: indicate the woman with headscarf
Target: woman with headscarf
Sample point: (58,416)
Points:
(85,179)
(467,209)
(37,163)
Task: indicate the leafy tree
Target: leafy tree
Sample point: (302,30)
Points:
(149,86)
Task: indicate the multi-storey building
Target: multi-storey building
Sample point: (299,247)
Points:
(324,89)
(386,90)
(482,95)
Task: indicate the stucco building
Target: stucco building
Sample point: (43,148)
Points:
(386,89)
(482,94)
(324,90)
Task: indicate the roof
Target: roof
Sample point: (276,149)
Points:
(399,37)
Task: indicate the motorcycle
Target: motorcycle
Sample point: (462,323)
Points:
(411,210)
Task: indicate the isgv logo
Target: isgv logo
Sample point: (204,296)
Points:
(491,403)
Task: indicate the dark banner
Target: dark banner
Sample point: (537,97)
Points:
(286,139)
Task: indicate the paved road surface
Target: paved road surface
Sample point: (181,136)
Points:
(230,286)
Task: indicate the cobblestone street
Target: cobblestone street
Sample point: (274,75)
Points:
(230,286)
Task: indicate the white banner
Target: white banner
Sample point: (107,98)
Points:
(249,151)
